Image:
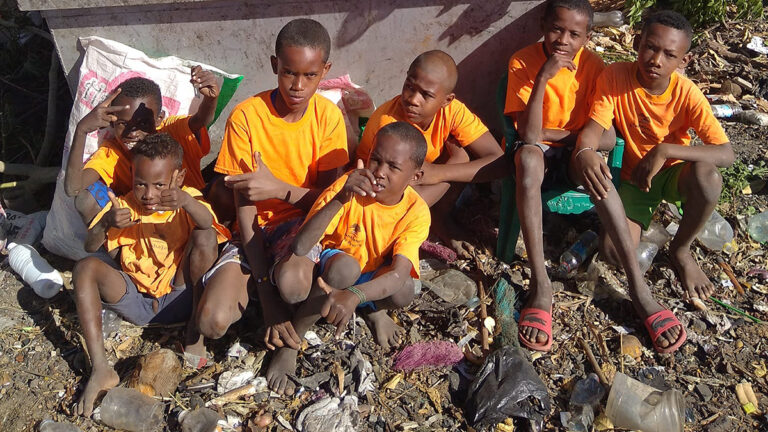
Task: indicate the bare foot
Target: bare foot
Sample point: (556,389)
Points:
(695,283)
(386,332)
(194,341)
(282,365)
(646,307)
(452,235)
(541,298)
(101,380)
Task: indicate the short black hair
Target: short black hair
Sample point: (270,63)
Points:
(304,32)
(139,87)
(410,135)
(159,146)
(671,19)
(582,6)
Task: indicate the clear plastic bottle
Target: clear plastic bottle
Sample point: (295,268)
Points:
(758,227)
(199,420)
(110,322)
(52,426)
(584,247)
(753,117)
(716,233)
(130,410)
(613,18)
(652,240)
(726,110)
(584,399)
(646,251)
(34,270)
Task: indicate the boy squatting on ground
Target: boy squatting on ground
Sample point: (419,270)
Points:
(550,86)
(427,101)
(652,106)
(160,231)
(281,148)
(362,236)
(132,111)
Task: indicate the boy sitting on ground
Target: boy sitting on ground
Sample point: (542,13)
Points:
(362,237)
(427,101)
(652,106)
(550,86)
(160,231)
(132,111)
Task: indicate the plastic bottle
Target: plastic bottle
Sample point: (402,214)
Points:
(584,399)
(129,409)
(652,240)
(758,227)
(726,110)
(634,405)
(34,270)
(199,420)
(608,19)
(753,117)
(52,426)
(578,253)
(110,322)
(716,233)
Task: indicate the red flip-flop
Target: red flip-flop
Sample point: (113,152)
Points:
(540,320)
(660,322)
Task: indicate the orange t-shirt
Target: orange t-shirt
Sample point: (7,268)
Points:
(454,120)
(113,162)
(371,232)
(294,152)
(568,94)
(646,120)
(153,248)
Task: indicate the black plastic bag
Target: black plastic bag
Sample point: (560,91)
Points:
(507,386)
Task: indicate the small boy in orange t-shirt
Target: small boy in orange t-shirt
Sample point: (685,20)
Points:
(363,236)
(549,88)
(460,149)
(160,231)
(281,148)
(653,107)
(132,111)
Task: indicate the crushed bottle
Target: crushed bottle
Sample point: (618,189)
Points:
(716,233)
(758,227)
(585,398)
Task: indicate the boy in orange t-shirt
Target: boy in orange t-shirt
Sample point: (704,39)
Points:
(160,231)
(550,86)
(280,149)
(132,111)
(653,106)
(427,101)
(363,236)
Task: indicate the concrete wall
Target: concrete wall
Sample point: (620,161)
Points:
(373,40)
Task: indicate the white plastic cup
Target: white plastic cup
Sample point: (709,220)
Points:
(634,405)
(34,270)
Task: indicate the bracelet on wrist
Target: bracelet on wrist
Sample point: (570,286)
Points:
(261,279)
(580,151)
(360,295)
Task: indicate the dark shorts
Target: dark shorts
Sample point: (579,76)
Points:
(556,161)
(136,307)
(99,191)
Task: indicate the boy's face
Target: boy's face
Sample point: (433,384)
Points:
(391,165)
(660,51)
(141,119)
(565,32)
(424,94)
(299,70)
(150,178)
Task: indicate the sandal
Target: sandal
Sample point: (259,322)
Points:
(660,322)
(540,320)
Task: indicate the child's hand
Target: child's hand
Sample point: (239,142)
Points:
(257,185)
(205,81)
(102,115)
(173,198)
(280,331)
(595,174)
(117,216)
(647,168)
(552,66)
(360,182)
(339,307)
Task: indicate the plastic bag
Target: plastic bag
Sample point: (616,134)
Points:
(330,414)
(105,65)
(353,101)
(507,386)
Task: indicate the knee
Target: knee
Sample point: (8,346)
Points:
(341,271)
(293,286)
(84,269)
(405,295)
(709,181)
(213,322)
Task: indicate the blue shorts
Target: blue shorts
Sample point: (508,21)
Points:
(326,254)
(136,307)
(99,191)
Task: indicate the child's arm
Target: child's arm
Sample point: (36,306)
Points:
(721,155)
(488,164)
(594,174)
(75,178)
(359,182)
(116,217)
(174,198)
(205,82)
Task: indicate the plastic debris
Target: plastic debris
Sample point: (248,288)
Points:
(230,380)
(238,350)
(426,354)
(584,400)
(452,286)
(634,405)
(330,414)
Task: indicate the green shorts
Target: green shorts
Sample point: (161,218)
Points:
(639,205)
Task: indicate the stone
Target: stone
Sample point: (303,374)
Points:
(704,392)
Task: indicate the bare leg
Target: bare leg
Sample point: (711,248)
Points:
(95,280)
(700,184)
(529,165)
(201,253)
